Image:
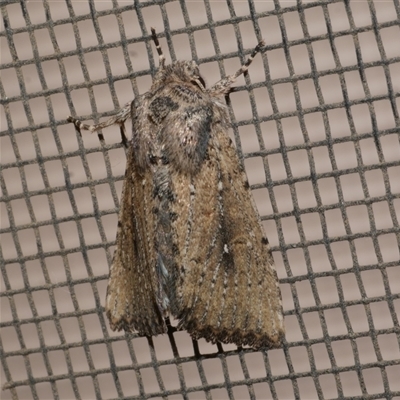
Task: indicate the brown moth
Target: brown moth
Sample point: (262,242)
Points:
(190,242)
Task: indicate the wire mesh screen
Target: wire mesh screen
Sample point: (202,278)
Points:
(316,124)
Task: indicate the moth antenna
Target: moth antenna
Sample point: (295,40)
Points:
(161,57)
(223,87)
(246,65)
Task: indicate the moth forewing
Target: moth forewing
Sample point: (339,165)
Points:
(130,301)
(230,290)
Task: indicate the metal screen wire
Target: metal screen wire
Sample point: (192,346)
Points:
(316,123)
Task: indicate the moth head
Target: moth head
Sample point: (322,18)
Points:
(192,74)
(185,71)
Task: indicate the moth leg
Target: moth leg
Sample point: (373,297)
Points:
(122,115)
(158,47)
(224,85)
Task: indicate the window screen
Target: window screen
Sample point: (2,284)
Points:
(316,124)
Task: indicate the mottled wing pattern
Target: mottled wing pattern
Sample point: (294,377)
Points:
(258,302)
(131,302)
(194,235)
(228,284)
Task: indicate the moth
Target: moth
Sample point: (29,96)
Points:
(189,242)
